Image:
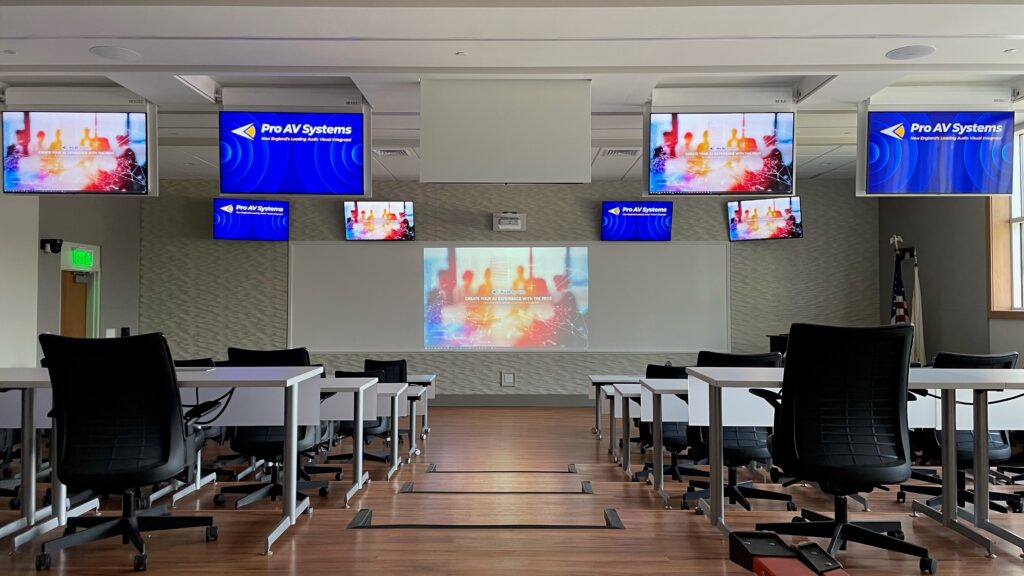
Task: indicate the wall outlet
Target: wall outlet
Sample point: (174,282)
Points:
(508,379)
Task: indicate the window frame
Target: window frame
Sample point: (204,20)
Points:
(1006,244)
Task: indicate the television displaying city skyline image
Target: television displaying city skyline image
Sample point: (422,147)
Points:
(379,220)
(75,152)
(721,153)
(765,219)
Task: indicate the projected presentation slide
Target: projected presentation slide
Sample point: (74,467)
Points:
(291,153)
(72,152)
(379,221)
(636,221)
(721,153)
(505,298)
(250,220)
(767,219)
(940,153)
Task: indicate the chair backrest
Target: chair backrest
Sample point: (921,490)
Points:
(844,397)
(666,372)
(289,357)
(117,409)
(378,374)
(195,363)
(394,370)
(993,361)
(724,360)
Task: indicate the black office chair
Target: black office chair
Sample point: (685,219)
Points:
(267,442)
(741,445)
(214,433)
(673,434)
(380,427)
(843,425)
(117,409)
(998,444)
(9,487)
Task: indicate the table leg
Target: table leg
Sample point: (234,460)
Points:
(290,507)
(980,458)
(716,509)
(425,428)
(611,427)
(597,412)
(28,468)
(357,446)
(396,460)
(658,460)
(414,450)
(951,513)
(628,454)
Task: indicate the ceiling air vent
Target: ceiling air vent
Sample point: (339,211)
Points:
(392,152)
(620,152)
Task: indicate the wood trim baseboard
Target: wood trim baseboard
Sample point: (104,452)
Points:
(1006,315)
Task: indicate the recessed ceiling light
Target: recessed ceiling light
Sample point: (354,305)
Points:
(910,52)
(462,53)
(117,53)
(8,52)
(1010,51)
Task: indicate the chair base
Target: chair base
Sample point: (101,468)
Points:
(273,490)
(737,492)
(840,531)
(997,501)
(367,455)
(129,526)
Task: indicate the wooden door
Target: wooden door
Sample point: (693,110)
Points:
(74,302)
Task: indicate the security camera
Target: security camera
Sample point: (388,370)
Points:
(51,245)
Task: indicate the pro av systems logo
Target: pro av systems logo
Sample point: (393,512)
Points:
(896,131)
(248,131)
(614,211)
(230,208)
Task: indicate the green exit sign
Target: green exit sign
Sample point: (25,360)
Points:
(81,258)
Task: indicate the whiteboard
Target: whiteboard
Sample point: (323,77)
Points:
(644,297)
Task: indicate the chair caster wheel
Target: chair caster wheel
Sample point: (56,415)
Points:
(593,430)
(799,519)
(218,499)
(47,500)
(897,534)
(699,511)
(600,436)
(1017,508)
(14,504)
(212,534)
(901,497)
(790,506)
(8,473)
(324,491)
(141,562)
(929,565)
(43,562)
(69,530)
(339,476)
(369,481)
(417,452)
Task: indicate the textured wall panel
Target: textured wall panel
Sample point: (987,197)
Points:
(206,294)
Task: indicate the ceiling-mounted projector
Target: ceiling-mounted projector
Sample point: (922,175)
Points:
(508,222)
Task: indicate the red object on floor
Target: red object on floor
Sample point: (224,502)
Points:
(769,566)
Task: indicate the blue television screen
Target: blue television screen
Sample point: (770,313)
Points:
(250,220)
(651,221)
(291,153)
(940,153)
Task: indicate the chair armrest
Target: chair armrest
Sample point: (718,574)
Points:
(769,396)
(199,410)
(912,395)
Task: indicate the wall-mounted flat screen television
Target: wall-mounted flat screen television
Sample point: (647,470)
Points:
(765,219)
(939,153)
(75,153)
(291,153)
(238,219)
(651,221)
(379,221)
(721,153)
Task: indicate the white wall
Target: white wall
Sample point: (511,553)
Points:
(1006,336)
(19,248)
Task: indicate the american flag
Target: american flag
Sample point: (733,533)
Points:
(898,309)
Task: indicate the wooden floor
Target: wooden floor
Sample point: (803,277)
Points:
(654,541)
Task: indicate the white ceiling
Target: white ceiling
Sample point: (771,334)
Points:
(833,51)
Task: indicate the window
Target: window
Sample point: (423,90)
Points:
(1017,226)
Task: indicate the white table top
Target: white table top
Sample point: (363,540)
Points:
(421,379)
(234,377)
(416,391)
(666,385)
(627,390)
(346,384)
(929,378)
(599,379)
(389,389)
